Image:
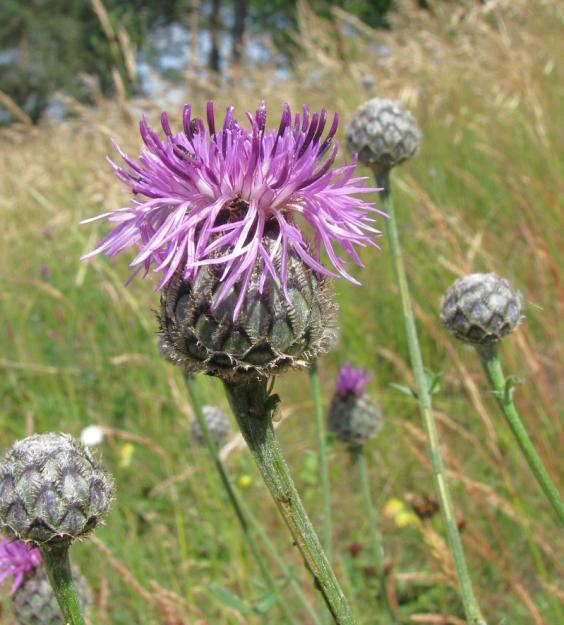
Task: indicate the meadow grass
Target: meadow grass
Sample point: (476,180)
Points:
(77,347)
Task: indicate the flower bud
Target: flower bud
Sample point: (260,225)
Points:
(272,331)
(353,417)
(481,308)
(34,602)
(52,490)
(383,134)
(217,422)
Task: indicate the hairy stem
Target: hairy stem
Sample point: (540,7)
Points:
(234,499)
(322,461)
(57,566)
(359,458)
(253,406)
(491,363)
(471,608)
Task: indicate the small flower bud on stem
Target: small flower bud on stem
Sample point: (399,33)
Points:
(357,454)
(489,356)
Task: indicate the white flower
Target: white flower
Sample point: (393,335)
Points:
(92,435)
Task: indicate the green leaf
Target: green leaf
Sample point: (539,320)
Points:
(404,389)
(230,600)
(265,603)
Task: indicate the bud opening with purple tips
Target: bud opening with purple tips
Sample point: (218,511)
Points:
(221,212)
(353,417)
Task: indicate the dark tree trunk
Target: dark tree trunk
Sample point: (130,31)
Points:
(239,22)
(215,24)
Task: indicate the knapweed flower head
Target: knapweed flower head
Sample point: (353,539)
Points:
(52,490)
(481,308)
(16,560)
(383,134)
(352,379)
(353,417)
(34,602)
(230,196)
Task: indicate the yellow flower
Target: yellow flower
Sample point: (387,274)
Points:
(244,481)
(125,455)
(393,507)
(405,519)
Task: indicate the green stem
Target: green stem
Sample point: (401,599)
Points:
(57,566)
(358,456)
(471,608)
(322,461)
(234,498)
(489,357)
(253,408)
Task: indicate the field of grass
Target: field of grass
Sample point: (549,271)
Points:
(484,194)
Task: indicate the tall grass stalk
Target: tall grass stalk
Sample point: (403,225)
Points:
(489,356)
(235,500)
(376,543)
(322,461)
(471,607)
(253,405)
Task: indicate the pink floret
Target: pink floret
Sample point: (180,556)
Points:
(352,379)
(16,559)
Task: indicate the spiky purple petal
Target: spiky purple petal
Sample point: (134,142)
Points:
(207,195)
(352,379)
(16,559)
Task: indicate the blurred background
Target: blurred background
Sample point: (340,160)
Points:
(77,348)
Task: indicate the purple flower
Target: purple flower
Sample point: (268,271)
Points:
(16,559)
(208,195)
(352,379)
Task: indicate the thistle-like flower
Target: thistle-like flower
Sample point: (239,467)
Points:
(52,490)
(33,600)
(383,134)
(481,308)
(220,212)
(16,560)
(217,423)
(353,416)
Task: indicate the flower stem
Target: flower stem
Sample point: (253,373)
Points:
(234,499)
(357,453)
(253,406)
(322,460)
(491,363)
(57,566)
(471,608)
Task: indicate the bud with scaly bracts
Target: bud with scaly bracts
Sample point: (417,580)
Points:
(383,134)
(481,308)
(353,416)
(52,490)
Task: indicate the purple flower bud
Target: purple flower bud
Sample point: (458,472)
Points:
(352,379)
